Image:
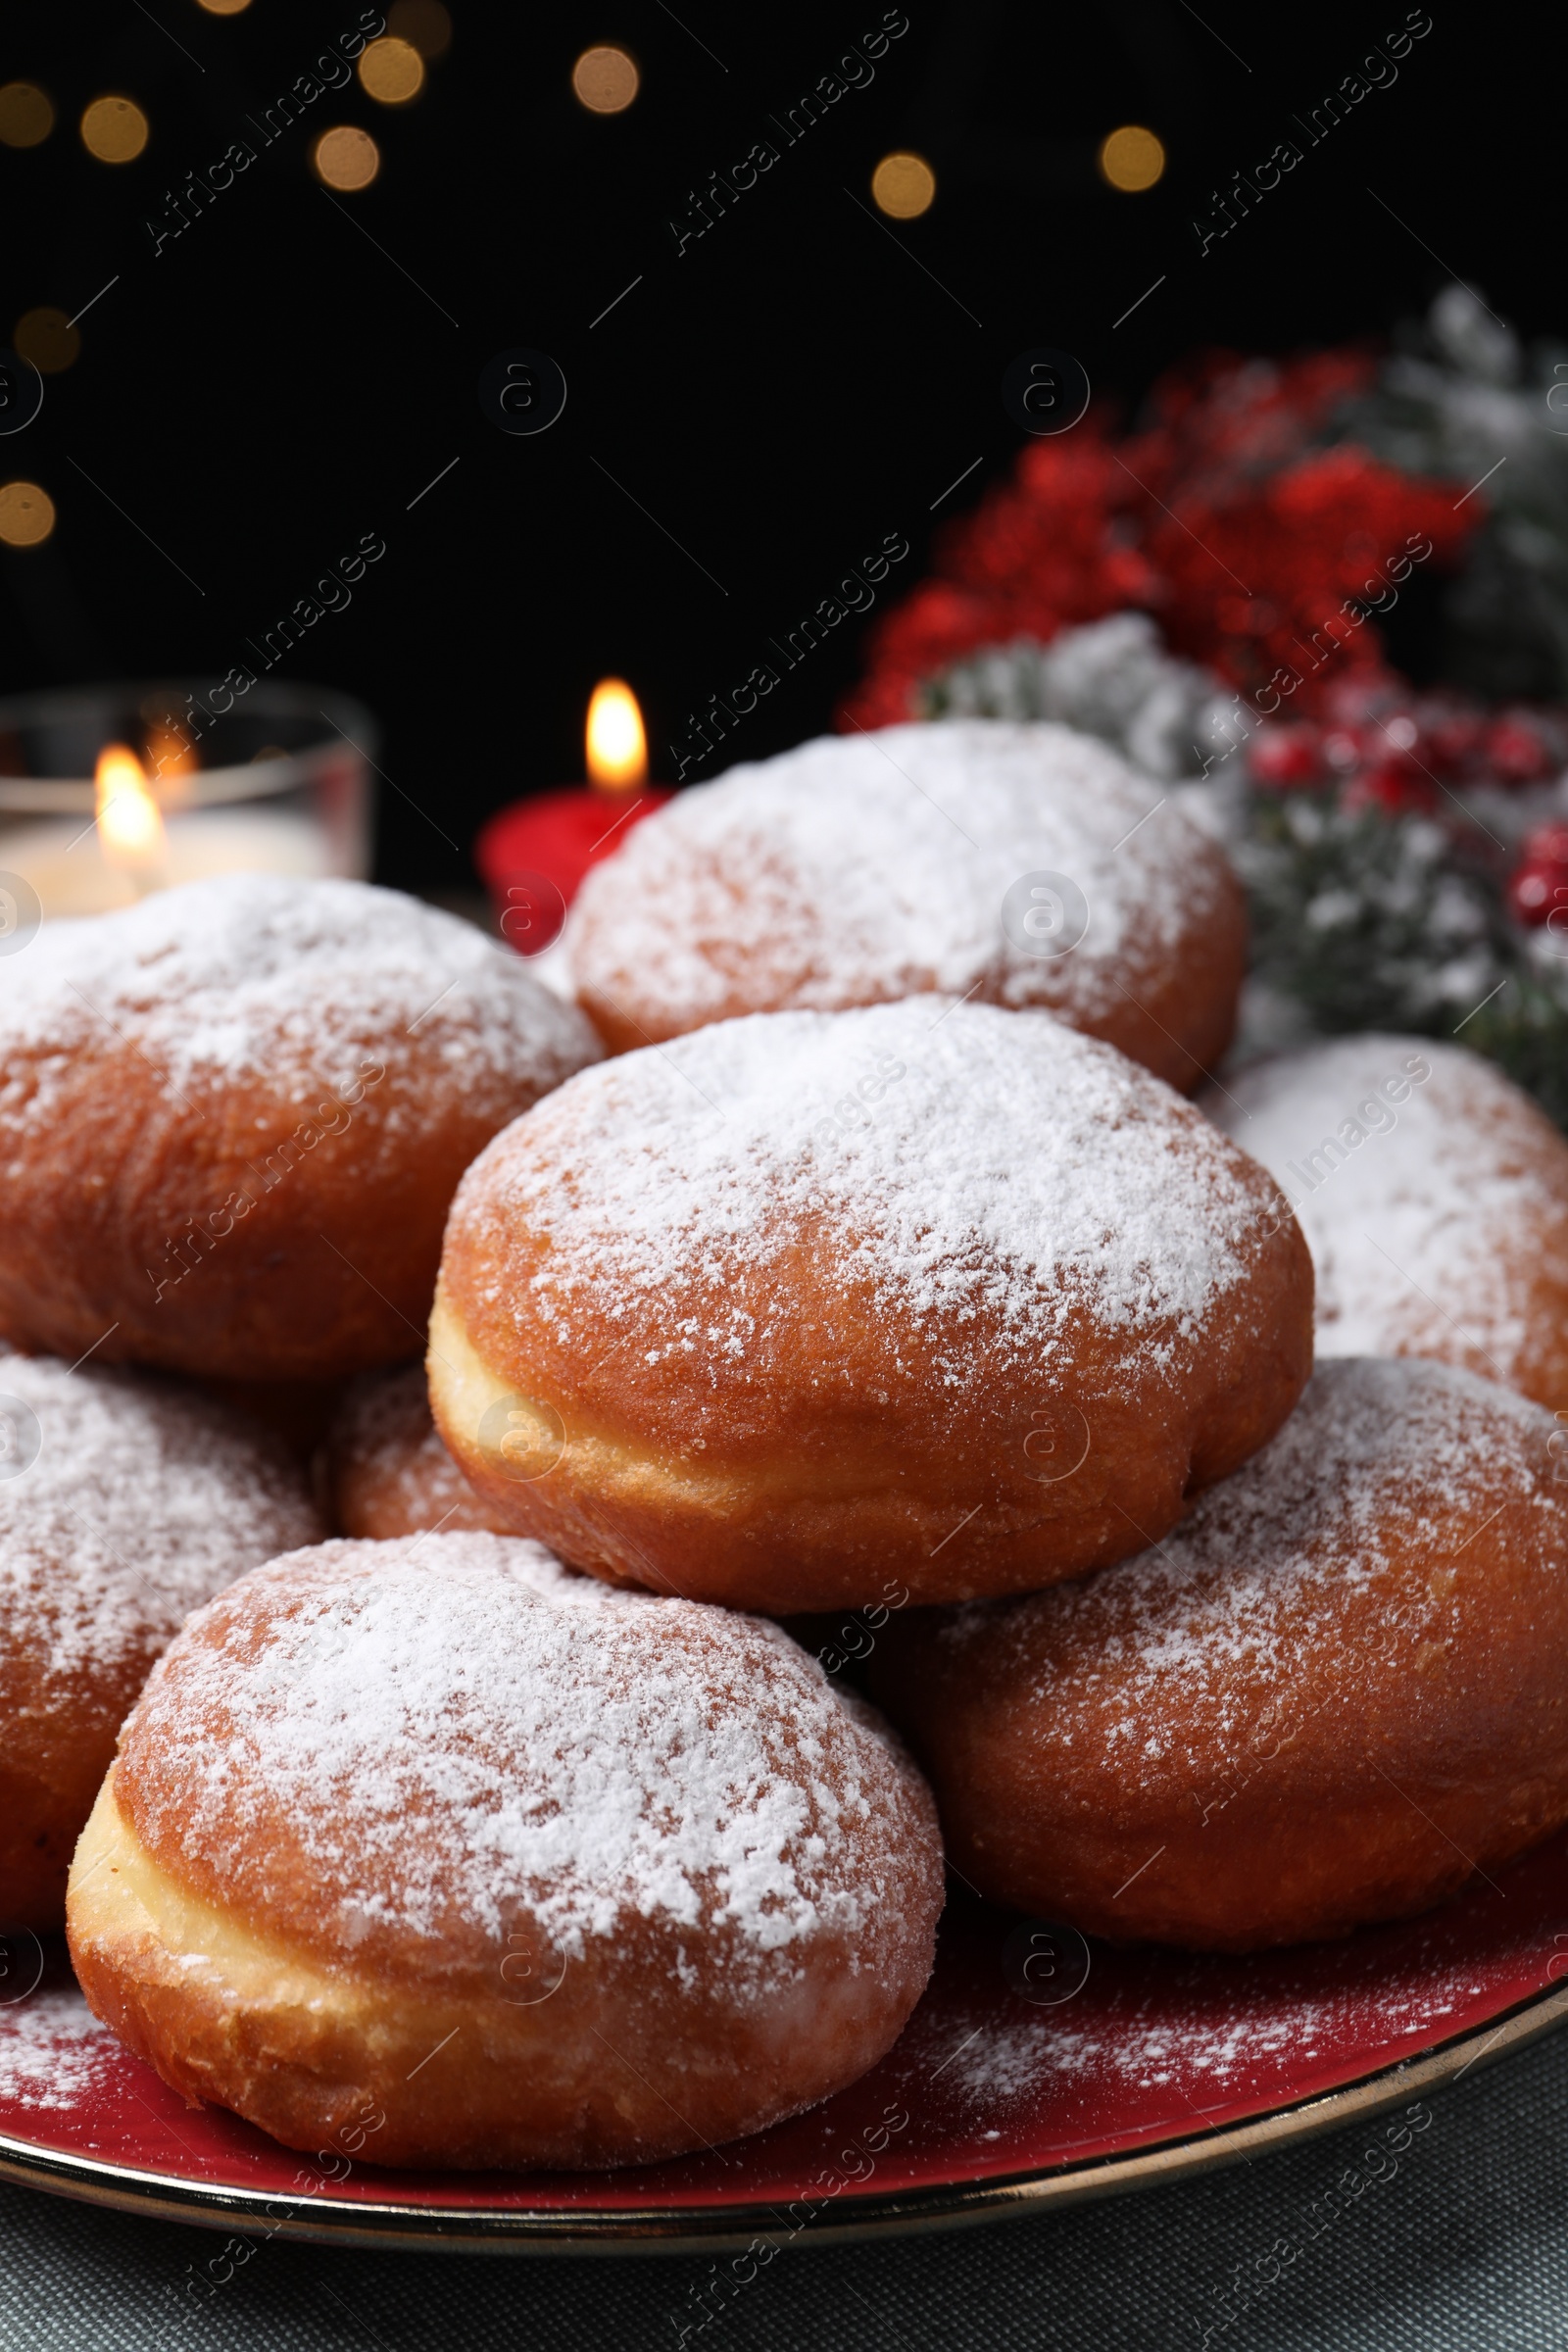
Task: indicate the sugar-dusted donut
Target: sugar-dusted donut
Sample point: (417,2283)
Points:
(1434,1196)
(387,1471)
(1338,1690)
(1021,865)
(125,1502)
(231,1119)
(440,1844)
(805,1302)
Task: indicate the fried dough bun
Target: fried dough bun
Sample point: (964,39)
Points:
(388,1473)
(232,1118)
(443,1845)
(1434,1196)
(124,1504)
(806,1301)
(1338,1690)
(1020,865)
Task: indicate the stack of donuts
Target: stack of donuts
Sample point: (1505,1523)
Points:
(447,1422)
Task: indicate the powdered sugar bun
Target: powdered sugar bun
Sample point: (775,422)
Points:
(437,1842)
(388,1472)
(803,1302)
(1337,1690)
(231,1119)
(1434,1196)
(856,869)
(124,1504)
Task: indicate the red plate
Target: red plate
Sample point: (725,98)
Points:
(1019,2080)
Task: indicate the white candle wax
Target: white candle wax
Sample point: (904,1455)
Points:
(63,857)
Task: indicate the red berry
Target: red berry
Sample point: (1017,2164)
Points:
(1536,892)
(1453,736)
(1516,752)
(1547,845)
(1285,756)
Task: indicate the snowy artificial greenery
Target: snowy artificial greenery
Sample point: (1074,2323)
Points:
(1361,919)
(1112,678)
(1459,398)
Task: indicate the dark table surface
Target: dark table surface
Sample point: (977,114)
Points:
(1461,2240)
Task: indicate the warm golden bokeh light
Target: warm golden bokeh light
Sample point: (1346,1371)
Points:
(1132,159)
(172,759)
(904,186)
(424,25)
(113,129)
(618,748)
(392,72)
(27,514)
(47,339)
(604,80)
(25,115)
(224,8)
(130,830)
(346,158)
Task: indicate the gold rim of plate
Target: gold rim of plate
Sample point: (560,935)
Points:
(698,2229)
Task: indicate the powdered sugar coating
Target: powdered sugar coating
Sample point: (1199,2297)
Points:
(143,1503)
(296,984)
(984,1173)
(994,2065)
(855,869)
(1383,1463)
(433,1739)
(1432,1191)
(54,2054)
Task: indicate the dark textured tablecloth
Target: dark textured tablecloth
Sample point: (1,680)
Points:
(1460,2240)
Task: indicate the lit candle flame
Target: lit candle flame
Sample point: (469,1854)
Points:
(617,749)
(130,830)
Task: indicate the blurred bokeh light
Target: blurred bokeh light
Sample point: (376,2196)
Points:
(27,514)
(46,338)
(346,158)
(113,129)
(392,72)
(1132,159)
(27,117)
(903,186)
(424,25)
(604,80)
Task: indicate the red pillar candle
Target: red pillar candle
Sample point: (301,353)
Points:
(534,855)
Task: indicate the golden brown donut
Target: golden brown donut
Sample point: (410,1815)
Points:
(1434,1196)
(124,1503)
(388,1472)
(232,1117)
(441,1843)
(858,869)
(803,1302)
(1339,1688)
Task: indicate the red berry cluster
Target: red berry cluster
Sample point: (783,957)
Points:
(1234,517)
(1384,747)
(1378,747)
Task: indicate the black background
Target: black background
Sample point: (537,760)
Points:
(799,382)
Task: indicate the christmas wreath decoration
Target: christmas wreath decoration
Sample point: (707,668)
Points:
(1211,592)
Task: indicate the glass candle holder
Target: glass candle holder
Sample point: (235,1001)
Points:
(280,784)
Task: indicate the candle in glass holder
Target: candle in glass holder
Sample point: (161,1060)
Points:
(130,848)
(73,848)
(534,855)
